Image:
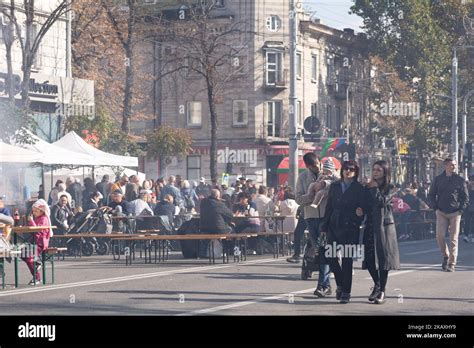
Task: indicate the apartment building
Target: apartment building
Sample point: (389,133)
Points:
(253,113)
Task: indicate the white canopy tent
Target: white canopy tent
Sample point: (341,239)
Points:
(52,154)
(74,142)
(15,154)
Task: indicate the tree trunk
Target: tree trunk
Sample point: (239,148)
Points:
(127,102)
(129,75)
(212,109)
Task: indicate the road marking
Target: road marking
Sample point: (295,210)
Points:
(277,297)
(423,252)
(128,278)
(244,303)
(393,274)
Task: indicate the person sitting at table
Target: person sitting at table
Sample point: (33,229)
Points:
(41,217)
(216,217)
(246,208)
(118,201)
(93,202)
(166,207)
(413,201)
(61,215)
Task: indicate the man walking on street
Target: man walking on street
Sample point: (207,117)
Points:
(449,198)
(305,193)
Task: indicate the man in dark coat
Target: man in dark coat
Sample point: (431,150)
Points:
(449,198)
(341,223)
(216,217)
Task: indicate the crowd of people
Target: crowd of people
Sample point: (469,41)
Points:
(332,205)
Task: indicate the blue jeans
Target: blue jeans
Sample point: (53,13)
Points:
(313,229)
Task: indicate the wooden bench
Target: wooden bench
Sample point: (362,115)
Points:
(158,242)
(48,256)
(3,256)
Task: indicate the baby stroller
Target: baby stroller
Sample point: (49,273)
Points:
(313,255)
(97,221)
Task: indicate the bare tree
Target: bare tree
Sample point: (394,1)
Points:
(211,48)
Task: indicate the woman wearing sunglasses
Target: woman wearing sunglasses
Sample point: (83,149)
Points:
(380,236)
(342,220)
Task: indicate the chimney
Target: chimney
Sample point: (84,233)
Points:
(349,31)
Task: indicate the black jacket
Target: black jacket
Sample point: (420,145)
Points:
(449,194)
(59,215)
(90,204)
(124,204)
(340,220)
(75,190)
(380,235)
(165,208)
(215,216)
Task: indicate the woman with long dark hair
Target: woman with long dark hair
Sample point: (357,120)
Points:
(342,219)
(380,236)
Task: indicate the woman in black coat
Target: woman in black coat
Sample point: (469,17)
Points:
(342,220)
(380,235)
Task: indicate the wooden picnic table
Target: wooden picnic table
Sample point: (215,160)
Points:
(16,230)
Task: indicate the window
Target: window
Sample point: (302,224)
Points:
(240,63)
(37,62)
(314,109)
(314,68)
(299,114)
(338,119)
(273,23)
(194,113)
(193,167)
(274,68)
(330,71)
(273,118)
(329,117)
(240,112)
(298,65)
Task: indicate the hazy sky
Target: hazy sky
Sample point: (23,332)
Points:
(334,13)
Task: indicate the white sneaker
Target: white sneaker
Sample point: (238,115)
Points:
(331,276)
(34,282)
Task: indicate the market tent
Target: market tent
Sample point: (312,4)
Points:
(15,154)
(74,142)
(283,169)
(52,154)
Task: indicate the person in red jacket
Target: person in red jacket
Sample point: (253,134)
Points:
(404,210)
(41,217)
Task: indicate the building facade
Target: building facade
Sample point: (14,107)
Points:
(54,93)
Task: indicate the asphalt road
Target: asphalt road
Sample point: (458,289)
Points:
(260,286)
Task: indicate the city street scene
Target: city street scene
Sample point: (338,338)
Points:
(237,158)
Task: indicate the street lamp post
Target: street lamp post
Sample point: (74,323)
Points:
(454,100)
(464,129)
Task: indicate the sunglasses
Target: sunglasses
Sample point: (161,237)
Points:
(351,169)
